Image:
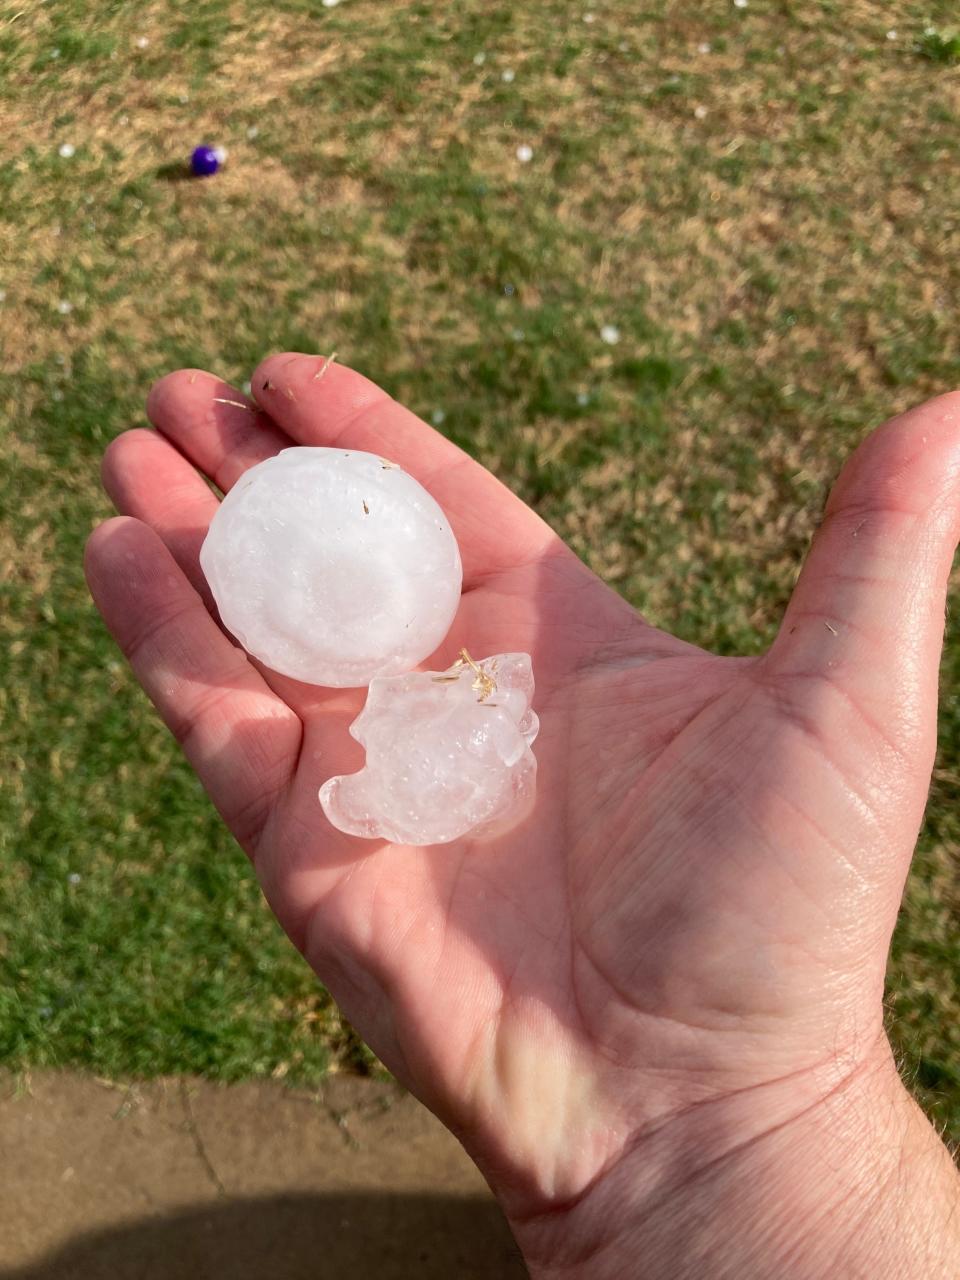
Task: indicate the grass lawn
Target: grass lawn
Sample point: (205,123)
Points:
(758,203)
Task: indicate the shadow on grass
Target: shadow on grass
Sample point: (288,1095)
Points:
(176,171)
(297,1237)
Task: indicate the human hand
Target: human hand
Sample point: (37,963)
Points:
(680,955)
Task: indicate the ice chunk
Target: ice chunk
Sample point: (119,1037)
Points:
(333,566)
(447,753)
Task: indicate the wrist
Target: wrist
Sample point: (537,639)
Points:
(825,1174)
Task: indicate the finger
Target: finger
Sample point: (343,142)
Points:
(323,403)
(146,477)
(214,425)
(149,479)
(866,618)
(241,739)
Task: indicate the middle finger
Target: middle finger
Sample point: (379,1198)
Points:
(214,425)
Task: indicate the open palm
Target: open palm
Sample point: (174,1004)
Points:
(702,900)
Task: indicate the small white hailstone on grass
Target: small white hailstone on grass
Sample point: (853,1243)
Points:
(183,99)
(479,58)
(142,41)
(253,132)
(700,113)
(330,4)
(74,877)
(508,75)
(739,4)
(333,566)
(610,334)
(583,398)
(891,34)
(438,417)
(589,17)
(448,752)
(704,47)
(67,149)
(524,153)
(56,395)
(54,54)
(64,307)
(517,335)
(220,153)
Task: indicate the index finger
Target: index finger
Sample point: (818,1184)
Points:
(319,402)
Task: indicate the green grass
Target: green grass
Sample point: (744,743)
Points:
(769,225)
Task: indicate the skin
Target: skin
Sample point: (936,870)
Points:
(668,980)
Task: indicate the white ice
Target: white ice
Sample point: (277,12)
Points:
(448,753)
(333,566)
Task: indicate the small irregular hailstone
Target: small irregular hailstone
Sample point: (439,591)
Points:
(67,150)
(64,307)
(142,41)
(333,566)
(700,113)
(891,35)
(508,75)
(610,334)
(524,153)
(448,753)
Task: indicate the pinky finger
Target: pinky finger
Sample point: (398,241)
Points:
(240,737)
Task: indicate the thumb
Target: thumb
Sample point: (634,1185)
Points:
(859,646)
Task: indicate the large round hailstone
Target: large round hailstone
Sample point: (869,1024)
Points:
(333,566)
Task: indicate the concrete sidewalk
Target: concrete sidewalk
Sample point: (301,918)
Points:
(185,1180)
